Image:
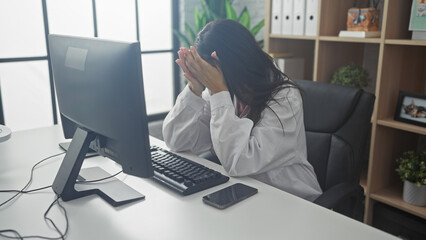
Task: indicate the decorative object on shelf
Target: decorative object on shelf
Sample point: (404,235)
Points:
(363,19)
(412,171)
(411,108)
(213,10)
(418,20)
(5,133)
(351,75)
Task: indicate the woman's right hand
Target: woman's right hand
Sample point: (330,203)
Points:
(195,85)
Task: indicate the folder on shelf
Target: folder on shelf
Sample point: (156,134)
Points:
(287,13)
(299,17)
(276,16)
(311,18)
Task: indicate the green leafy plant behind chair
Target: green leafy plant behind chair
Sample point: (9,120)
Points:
(213,10)
(351,75)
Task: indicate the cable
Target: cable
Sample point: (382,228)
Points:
(10,230)
(53,223)
(31,178)
(78,181)
(28,191)
(98,180)
(46,218)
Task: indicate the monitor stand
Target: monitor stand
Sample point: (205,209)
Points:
(114,191)
(90,152)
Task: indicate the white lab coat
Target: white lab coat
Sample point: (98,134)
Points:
(264,152)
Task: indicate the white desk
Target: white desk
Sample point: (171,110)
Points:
(270,214)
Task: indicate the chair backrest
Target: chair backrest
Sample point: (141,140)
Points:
(337,124)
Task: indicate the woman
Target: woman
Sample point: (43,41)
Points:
(250,114)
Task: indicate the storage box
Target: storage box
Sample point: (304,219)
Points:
(294,68)
(398,223)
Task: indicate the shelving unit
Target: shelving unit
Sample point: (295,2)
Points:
(395,63)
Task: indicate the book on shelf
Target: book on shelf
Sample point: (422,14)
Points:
(419,35)
(418,16)
(418,20)
(359,34)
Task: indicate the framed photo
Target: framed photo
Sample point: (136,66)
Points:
(418,16)
(411,108)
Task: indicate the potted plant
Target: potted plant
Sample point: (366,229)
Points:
(213,10)
(412,171)
(351,75)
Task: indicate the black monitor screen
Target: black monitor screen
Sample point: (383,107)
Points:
(99,88)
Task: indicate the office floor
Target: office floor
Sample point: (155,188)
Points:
(155,129)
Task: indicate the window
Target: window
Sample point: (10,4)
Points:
(27,97)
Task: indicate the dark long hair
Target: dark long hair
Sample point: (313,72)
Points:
(249,72)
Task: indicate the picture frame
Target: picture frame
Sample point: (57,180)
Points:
(418,16)
(411,108)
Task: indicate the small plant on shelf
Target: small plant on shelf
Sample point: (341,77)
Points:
(351,75)
(412,171)
(412,167)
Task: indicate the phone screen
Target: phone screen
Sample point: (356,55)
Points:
(229,195)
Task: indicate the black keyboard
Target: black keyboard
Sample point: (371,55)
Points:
(181,174)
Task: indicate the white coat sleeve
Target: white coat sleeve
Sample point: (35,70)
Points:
(244,150)
(186,126)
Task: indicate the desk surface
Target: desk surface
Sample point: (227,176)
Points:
(270,214)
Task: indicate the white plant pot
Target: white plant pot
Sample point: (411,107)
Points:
(413,194)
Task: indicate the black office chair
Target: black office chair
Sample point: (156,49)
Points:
(337,124)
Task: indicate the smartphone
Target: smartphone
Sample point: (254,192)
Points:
(230,195)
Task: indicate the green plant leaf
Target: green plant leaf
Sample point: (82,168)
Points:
(351,75)
(190,33)
(244,18)
(230,11)
(213,10)
(209,10)
(203,22)
(182,38)
(257,28)
(198,20)
(218,7)
(205,9)
(412,167)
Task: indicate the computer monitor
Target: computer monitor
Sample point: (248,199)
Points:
(99,88)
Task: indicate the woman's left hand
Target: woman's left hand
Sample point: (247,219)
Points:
(209,75)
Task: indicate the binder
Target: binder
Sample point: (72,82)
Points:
(299,17)
(311,18)
(287,17)
(276,16)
